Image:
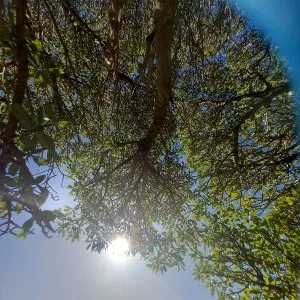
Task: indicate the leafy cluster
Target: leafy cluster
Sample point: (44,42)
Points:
(174,122)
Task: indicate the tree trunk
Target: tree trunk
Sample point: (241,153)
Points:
(165,12)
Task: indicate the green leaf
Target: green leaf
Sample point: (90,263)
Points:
(49,111)
(3,208)
(27,225)
(41,161)
(40,116)
(289,200)
(37,46)
(56,71)
(39,179)
(294,192)
(21,234)
(27,143)
(254,291)
(46,141)
(39,79)
(42,197)
(16,182)
(50,215)
(19,207)
(62,124)
(22,116)
(13,169)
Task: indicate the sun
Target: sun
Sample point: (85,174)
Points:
(118,249)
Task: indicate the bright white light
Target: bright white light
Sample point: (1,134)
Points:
(119,248)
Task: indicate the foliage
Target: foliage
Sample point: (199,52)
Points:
(175,124)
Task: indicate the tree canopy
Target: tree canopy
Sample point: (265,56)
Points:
(173,120)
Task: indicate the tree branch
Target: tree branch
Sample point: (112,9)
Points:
(164,28)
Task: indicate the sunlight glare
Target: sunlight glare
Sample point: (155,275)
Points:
(118,249)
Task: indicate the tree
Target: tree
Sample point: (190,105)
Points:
(175,125)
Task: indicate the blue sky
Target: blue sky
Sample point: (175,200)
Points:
(40,268)
(280,21)
(46,269)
